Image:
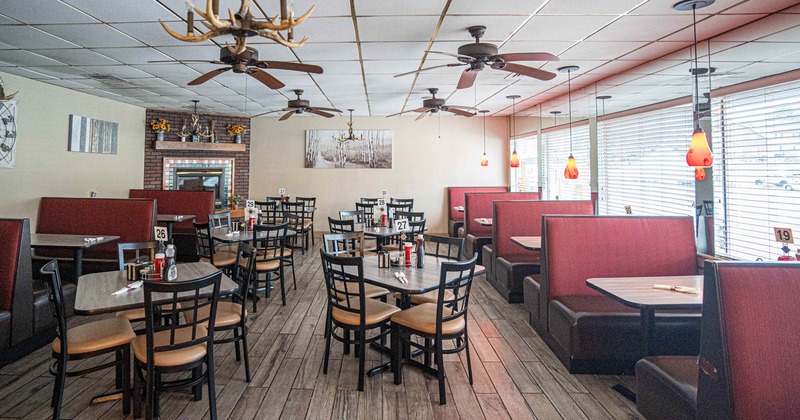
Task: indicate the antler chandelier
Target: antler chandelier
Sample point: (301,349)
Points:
(350,135)
(241,25)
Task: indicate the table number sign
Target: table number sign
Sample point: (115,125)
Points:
(382,202)
(628,210)
(401,224)
(281,191)
(160,233)
(248,204)
(784,235)
(384,193)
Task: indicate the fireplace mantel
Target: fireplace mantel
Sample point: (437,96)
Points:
(203,146)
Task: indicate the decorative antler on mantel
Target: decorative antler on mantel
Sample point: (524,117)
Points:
(241,25)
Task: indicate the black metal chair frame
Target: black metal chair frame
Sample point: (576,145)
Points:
(410,215)
(408,201)
(392,209)
(220,220)
(309,202)
(354,215)
(137,247)
(122,359)
(205,244)
(175,307)
(341,225)
(272,246)
(446,241)
(297,208)
(369,201)
(367,208)
(456,307)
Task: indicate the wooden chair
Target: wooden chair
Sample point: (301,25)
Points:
(220,220)
(356,216)
(435,322)
(410,215)
(173,347)
(270,212)
(405,201)
(98,338)
(350,310)
(445,246)
(270,244)
(134,315)
(301,223)
(341,226)
(207,251)
(369,201)
(367,209)
(392,209)
(351,244)
(310,204)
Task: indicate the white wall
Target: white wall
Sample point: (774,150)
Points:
(44,167)
(423,164)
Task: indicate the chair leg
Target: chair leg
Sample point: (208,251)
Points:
(126,380)
(149,392)
(236,345)
(212,393)
(245,350)
(58,391)
(118,370)
(427,355)
(469,361)
(327,344)
(137,390)
(197,390)
(362,338)
(255,292)
(346,341)
(397,354)
(294,277)
(283,288)
(440,372)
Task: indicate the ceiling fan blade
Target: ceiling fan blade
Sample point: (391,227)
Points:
(186,61)
(329,109)
(320,113)
(289,109)
(421,109)
(265,113)
(208,76)
(467,79)
(430,68)
(459,112)
(458,56)
(421,116)
(283,65)
(526,71)
(265,78)
(525,57)
(286,116)
(462,107)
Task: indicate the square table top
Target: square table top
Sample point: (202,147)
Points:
(638,292)
(420,280)
(55,240)
(94,294)
(531,243)
(175,217)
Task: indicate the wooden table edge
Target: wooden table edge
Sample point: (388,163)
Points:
(640,305)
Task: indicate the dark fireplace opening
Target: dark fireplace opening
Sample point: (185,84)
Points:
(202,179)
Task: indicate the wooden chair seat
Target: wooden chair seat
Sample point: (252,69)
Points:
(228,313)
(376,311)
(269,265)
(423,318)
(96,336)
(370,291)
(222,259)
(131,315)
(173,357)
(287,252)
(430,297)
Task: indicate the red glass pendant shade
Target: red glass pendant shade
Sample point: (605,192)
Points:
(571,171)
(484,160)
(699,154)
(699,174)
(514,160)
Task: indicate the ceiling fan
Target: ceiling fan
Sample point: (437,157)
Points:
(247,62)
(433,105)
(301,106)
(479,54)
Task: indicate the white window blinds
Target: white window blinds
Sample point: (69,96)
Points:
(756,170)
(555,152)
(642,163)
(526,177)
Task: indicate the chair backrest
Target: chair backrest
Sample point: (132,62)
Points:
(52,283)
(243,272)
(307,201)
(136,247)
(270,212)
(350,244)
(455,277)
(205,244)
(391,209)
(220,220)
(356,216)
(344,281)
(369,201)
(270,240)
(16,284)
(445,246)
(192,300)
(749,341)
(341,226)
(410,215)
(367,209)
(409,201)
(415,228)
(298,209)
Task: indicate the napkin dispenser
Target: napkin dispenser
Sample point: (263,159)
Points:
(383,259)
(133,269)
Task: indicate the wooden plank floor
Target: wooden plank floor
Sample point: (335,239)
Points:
(515,375)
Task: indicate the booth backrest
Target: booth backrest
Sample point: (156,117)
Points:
(10,239)
(747,354)
(479,205)
(455,198)
(16,281)
(524,218)
(577,248)
(130,219)
(197,203)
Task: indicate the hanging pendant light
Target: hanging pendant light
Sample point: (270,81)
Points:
(514,158)
(484,158)
(571,171)
(699,174)
(699,154)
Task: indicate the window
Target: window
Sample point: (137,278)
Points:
(642,163)
(756,170)
(555,152)
(526,177)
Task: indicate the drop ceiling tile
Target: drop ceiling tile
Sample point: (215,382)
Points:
(91,36)
(761,6)
(326,29)
(24,72)
(44,11)
(771,68)
(4,46)
(788,58)
(642,28)
(552,47)
(153,34)
(656,50)
(393,67)
(123,72)
(69,84)
(712,26)
(561,28)
(658,7)
(498,28)
(763,28)
(77,57)
(29,37)
(600,50)
(311,53)
(417,28)
(606,7)
(415,8)
(61,72)
(5,20)
(321,8)
(26,58)
(152,82)
(393,50)
(788,35)
(585,66)
(192,52)
(206,90)
(134,55)
(483,7)
(756,51)
(141,11)
(340,67)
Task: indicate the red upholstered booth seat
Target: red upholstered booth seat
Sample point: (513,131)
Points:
(197,203)
(455,198)
(586,330)
(748,352)
(511,262)
(479,205)
(130,219)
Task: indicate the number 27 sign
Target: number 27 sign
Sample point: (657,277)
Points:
(784,235)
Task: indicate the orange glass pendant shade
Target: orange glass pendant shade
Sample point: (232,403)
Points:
(699,174)
(571,171)
(484,160)
(699,154)
(514,160)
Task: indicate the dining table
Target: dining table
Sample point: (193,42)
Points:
(459,209)
(171,219)
(76,243)
(231,237)
(483,221)
(531,243)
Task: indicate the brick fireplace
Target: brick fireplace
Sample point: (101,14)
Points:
(162,168)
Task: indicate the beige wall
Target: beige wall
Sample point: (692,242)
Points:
(44,167)
(423,164)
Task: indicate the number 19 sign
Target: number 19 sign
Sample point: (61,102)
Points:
(784,235)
